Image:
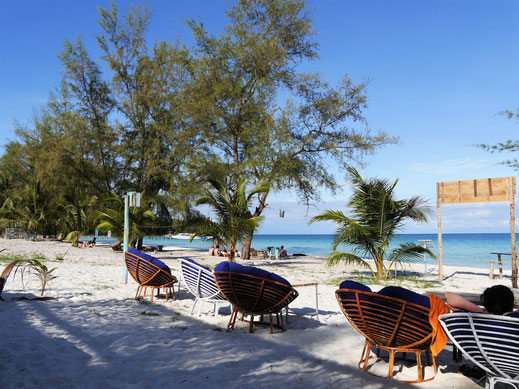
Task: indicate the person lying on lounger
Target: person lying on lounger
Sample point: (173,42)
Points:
(496,300)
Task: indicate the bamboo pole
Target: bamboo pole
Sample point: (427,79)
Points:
(440,243)
(512,233)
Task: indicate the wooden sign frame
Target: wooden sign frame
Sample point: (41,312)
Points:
(477,191)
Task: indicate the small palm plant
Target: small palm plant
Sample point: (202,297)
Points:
(39,270)
(111,218)
(233,218)
(376,219)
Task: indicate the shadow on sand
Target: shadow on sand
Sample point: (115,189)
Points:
(76,342)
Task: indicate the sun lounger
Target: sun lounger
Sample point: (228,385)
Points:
(199,281)
(255,292)
(388,323)
(149,272)
(490,341)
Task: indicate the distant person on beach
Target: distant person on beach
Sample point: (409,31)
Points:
(217,251)
(496,300)
(282,252)
(211,250)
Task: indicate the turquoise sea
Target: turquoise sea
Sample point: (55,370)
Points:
(458,249)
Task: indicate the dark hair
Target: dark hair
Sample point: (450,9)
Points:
(498,299)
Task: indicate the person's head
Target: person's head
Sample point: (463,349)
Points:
(217,246)
(498,299)
(282,247)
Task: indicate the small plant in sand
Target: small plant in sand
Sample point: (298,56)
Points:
(376,219)
(37,256)
(42,273)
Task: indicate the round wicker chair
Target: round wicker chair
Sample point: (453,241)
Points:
(148,275)
(254,295)
(388,324)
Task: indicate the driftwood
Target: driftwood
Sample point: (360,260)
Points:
(5,274)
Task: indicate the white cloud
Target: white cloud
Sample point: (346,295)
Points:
(449,166)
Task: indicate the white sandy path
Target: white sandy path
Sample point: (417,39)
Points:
(95,335)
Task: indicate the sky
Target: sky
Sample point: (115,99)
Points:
(438,74)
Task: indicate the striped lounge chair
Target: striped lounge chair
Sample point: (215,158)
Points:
(149,272)
(490,341)
(199,281)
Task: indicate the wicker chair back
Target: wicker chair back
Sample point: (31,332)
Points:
(255,295)
(145,273)
(386,321)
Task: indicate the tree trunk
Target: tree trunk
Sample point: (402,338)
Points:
(140,244)
(245,248)
(117,245)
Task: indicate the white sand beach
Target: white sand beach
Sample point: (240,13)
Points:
(96,335)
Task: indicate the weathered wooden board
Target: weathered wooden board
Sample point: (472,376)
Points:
(476,191)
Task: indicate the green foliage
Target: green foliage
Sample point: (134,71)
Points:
(233,222)
(511,146)
(417,282)
(37,256)
(161,118)
(376,219)
(12,257)
(77,209)
(31,208)
(235,94)
(111,218)
(40,271)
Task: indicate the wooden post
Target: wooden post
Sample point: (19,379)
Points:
(500,266)
(491,273)
(440,244)
(512,233)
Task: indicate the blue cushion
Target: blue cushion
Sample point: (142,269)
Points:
(151,259)
(347,284)
(253,271)
(196,263)
(406,294)
(513,314)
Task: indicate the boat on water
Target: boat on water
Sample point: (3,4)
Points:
(186,235)
(182,235)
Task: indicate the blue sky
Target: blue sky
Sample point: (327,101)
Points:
(438,73)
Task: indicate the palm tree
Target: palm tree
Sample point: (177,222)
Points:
(376,219)
(233,218)
(111,218)
(28,209)
(77,209)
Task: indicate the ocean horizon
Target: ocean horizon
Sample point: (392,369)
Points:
(461,249)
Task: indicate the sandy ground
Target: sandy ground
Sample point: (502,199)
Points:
(96,335)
